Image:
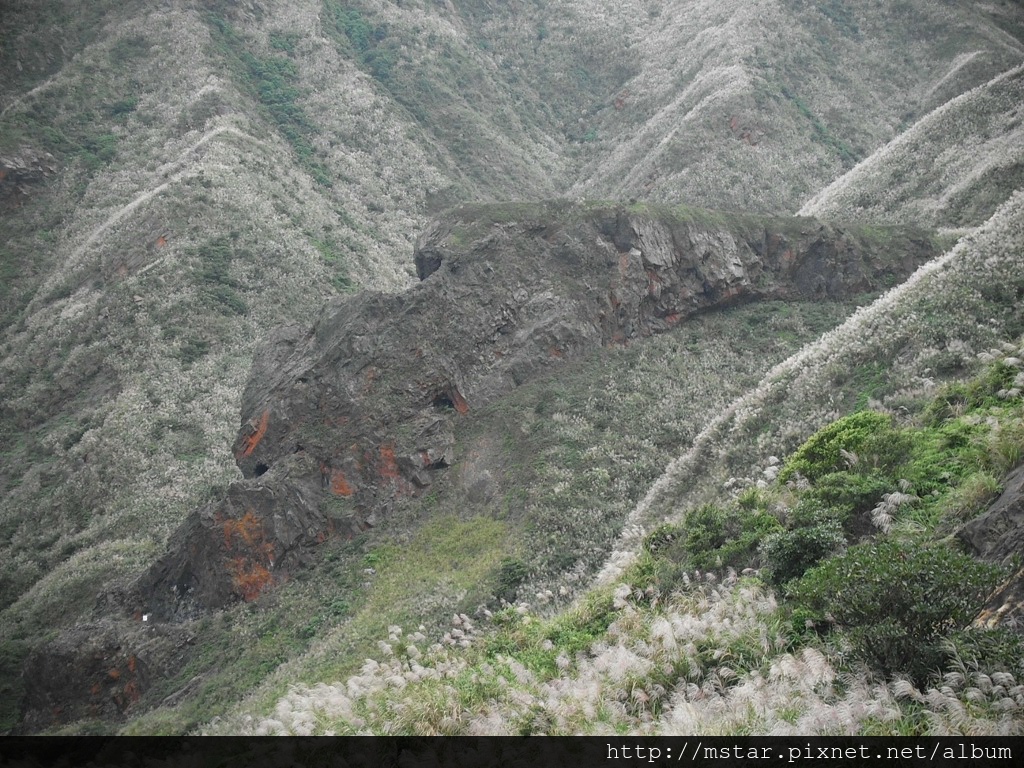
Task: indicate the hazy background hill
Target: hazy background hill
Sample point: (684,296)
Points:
(178,178)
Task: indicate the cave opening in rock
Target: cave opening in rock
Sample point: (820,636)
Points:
(260,469)
(443,400)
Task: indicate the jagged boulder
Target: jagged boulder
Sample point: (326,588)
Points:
(343,419)
(232,549)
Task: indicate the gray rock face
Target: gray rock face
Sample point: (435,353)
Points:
(99,670)
(340,420)
(20,170)
(998,535)
(234,548)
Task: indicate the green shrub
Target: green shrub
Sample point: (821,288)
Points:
(661,539)
(788,554)
(849,494)
(98,150)
(941,456)
(755,499)
(720,538)
(122,107)
(512,573)
(810,511)
(537,644)
(897,600)
(886,450)
(821,454)
(349,28)
(659,574)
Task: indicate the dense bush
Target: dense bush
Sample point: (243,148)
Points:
(822,453)
(897,600)
(849,493)
(787,554)
(724,537)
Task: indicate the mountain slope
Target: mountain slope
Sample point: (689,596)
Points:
(654,649)
(177,180)
(757,105)
(956,182)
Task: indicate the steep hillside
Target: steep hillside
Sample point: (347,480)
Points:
(355,425)
(758,105)
(670,641)
(954,183)
(177,180)
(891,354)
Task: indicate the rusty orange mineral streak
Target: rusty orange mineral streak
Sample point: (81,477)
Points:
(248,574)
(459,402)
(249,579)
(250,442)
(248,528)
(339,485)
(388,465)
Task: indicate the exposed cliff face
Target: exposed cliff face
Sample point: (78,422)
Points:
(342,420)
(99,669)
(21,170)
(998,535)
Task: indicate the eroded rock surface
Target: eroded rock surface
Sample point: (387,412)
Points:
(23,169)
(340,420)
(99,670)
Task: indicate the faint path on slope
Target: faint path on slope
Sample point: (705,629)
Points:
(148,195)
(30,93)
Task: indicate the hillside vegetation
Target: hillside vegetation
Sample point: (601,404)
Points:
(870,632)
(178,180)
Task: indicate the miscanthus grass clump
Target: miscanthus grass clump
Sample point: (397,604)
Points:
(716,656)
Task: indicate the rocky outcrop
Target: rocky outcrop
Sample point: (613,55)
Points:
(99,670)
(998,535)
(233,548)
(21,170)
(340,420)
